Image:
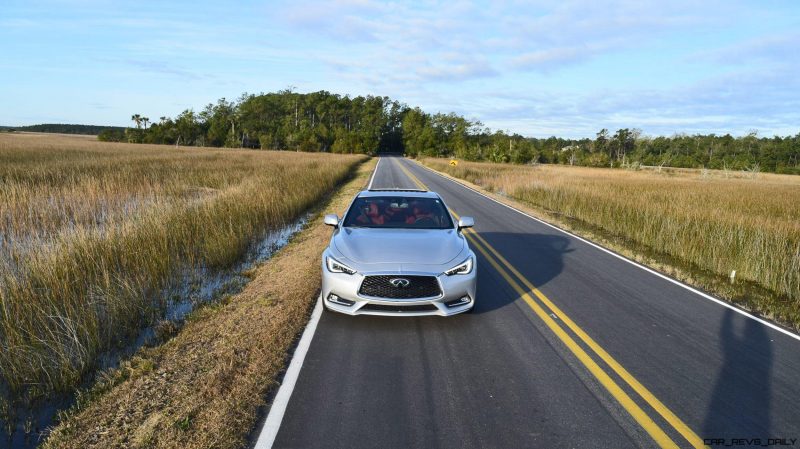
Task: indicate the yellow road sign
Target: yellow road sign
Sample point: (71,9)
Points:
(453,162)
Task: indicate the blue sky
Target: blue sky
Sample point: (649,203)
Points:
(539,68)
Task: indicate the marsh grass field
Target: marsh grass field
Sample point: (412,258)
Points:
(207,385)
(712,221)
(93,234)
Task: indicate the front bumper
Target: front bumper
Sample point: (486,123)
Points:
(346,286)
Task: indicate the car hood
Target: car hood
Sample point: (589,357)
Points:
(399,246)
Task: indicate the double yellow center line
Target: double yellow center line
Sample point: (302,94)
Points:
(517,281)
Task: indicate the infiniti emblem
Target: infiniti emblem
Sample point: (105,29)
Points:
(400,282)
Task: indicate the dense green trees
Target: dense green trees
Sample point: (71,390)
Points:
(286,120)
(112,135)
(322,121)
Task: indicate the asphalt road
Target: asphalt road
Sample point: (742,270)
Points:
(578,349)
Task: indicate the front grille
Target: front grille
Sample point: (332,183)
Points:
(399,308)
(418,287)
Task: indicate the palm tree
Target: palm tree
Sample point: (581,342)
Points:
(137,119)
(145,120)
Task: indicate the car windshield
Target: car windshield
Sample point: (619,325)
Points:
(398,212)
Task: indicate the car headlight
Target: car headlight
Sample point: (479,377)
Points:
(334,266)
(464,267)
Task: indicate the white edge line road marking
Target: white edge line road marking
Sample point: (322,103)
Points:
(369,187)
(276,411)
(278,407)
(619,256)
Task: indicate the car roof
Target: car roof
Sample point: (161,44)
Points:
(411,193)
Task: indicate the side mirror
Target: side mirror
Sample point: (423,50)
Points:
(332,220)
(465,222)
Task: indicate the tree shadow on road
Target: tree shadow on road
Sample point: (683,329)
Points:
(740,402)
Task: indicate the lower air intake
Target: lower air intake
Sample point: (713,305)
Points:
(398,308)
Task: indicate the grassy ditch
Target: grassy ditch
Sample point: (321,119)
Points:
(203,388)
(92,236)
(697,226)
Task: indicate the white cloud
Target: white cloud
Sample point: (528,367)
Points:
(552,57)
(780,48)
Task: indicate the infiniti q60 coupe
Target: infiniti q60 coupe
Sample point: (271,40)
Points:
(398,252)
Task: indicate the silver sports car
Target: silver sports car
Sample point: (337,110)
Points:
(398,252)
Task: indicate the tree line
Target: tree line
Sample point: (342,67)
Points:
(322,121)
(62,128)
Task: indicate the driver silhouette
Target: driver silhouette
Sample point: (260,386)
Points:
(421,214)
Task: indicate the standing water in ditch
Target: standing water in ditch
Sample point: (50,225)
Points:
(22,426)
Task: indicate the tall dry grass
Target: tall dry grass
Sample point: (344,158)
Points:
(709,220)
(204,387)
(91,235)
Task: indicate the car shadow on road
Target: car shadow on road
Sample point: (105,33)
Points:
(740,402)
(538,257)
